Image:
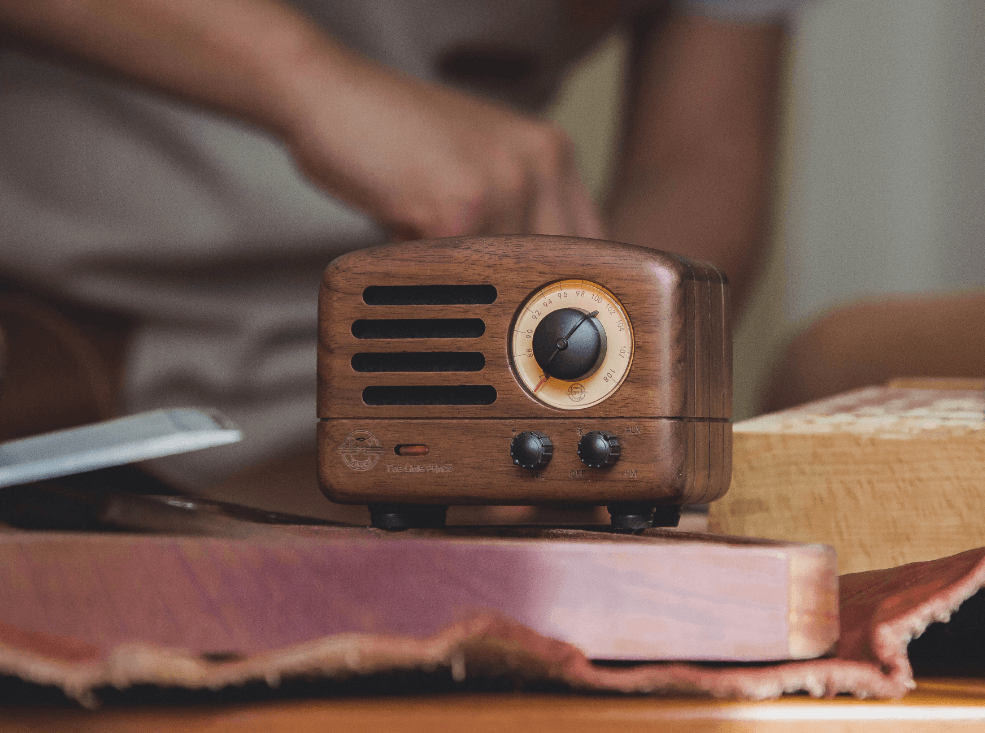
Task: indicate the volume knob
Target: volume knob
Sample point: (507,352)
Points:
(599,449)
(531,449)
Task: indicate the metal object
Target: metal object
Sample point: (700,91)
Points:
(116,442)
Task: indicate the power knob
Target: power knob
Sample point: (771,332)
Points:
(599,449)
(531,449)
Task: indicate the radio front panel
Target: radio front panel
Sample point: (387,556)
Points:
(453,348)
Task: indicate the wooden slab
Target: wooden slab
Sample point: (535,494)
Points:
(668,595)
(935,705)
(885,475)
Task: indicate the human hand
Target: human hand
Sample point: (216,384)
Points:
(425,160)
(429,161)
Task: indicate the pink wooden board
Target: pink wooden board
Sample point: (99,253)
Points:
(663,597)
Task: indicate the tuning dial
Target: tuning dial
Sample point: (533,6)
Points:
(569,344)
(531,449)
(599,449)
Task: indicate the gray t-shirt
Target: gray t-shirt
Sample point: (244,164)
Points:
(201,227)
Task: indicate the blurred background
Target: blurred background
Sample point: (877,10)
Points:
(881,187)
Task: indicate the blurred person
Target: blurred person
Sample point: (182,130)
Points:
(191,168)
(873,341)
(883,251)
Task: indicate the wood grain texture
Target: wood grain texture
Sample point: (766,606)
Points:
(468,462)
(655,288)
(147,608)
(938,383)
(935,705)
(681,371)
(885,475)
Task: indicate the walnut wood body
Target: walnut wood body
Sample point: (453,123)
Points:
(468,462)
(679,384)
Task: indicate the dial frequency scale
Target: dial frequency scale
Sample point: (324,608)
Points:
(523,370)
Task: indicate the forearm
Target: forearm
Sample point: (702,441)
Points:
(695,171)
(714,208)
(241,57)
(423,159)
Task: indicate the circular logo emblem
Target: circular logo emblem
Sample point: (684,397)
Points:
(360,450)
(576,392)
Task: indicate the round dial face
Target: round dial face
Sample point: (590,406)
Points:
(572,344)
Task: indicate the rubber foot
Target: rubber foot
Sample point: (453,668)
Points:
(397,517)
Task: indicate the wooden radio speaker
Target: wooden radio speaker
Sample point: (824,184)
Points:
(526,370)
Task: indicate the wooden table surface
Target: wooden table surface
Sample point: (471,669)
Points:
(936,704)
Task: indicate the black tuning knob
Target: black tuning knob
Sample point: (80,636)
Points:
(599,449)
(569,344)
(531,449)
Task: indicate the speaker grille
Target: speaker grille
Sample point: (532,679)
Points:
(429,295)
(418,328)
(436,382)
(419,361)
(452,394)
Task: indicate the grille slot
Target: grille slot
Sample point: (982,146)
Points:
(457,394)
(418,328)
(419,361)
(429,295)
(441,388)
